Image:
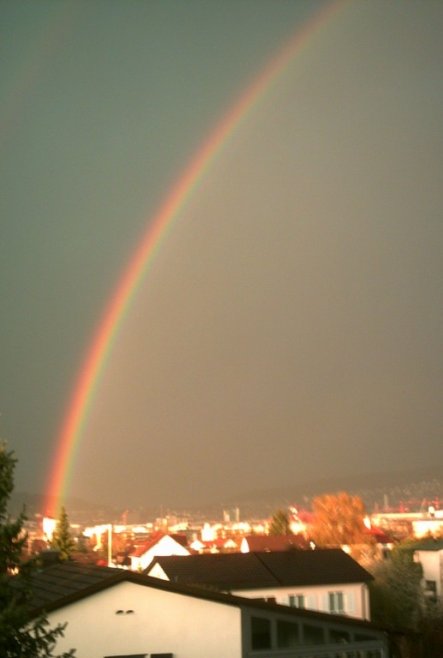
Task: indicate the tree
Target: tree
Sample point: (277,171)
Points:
(280,524)
(398,599)
(21,634)
(338,520)
(396,594)
(62,540)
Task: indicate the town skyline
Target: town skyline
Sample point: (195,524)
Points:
(407,490)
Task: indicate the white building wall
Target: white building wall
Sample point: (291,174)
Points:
(432,563)
(161,622)
(424,527)
(157,572)
(356,597)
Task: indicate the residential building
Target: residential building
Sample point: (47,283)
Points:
(114,613)
(430,555)
(326,580)
(159,544)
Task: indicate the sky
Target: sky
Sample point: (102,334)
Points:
(290,325)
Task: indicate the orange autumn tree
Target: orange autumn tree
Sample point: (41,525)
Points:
(338,520)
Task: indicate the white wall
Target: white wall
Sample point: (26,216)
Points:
(161,622)
(432,563)
(425,527)
(356,597)
(157,572)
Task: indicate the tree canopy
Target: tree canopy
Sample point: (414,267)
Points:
(396,594)
(22,635)
(62,539)
(280,523)
(338,519)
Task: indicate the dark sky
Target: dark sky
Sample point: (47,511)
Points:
(290,327)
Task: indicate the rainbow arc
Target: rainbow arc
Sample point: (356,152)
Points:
(158,227)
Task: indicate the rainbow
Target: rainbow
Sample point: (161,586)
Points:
(100,349)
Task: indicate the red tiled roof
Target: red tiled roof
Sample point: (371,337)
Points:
(380,536)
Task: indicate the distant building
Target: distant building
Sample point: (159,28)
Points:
(417,524)
(158,544)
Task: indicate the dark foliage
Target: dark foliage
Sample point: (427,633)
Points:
(21,634)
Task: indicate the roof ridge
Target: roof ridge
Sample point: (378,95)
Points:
(263,563)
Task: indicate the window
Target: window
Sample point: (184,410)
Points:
(260,633)
(287,634)
(360,637)
(336,603)
(313,634)
(431,586)
(338,636)
(297,601)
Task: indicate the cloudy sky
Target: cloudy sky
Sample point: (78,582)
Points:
(290,326)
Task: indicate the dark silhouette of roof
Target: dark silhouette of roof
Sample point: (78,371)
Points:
(259,543)
(66,579)
(428,544)
(296,568)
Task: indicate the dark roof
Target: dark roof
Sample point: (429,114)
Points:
(67,582)
(318,567)
(66,579)
(294,568)
(258,543)
(221,571)
(428,544)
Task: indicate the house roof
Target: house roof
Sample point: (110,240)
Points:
(294,568)
(65,580)
(259,543)
(155,539)
(428,545)
(68,582)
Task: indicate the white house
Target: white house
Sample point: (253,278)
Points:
(159,544)
(114,613)
(430,555)
(326,580)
